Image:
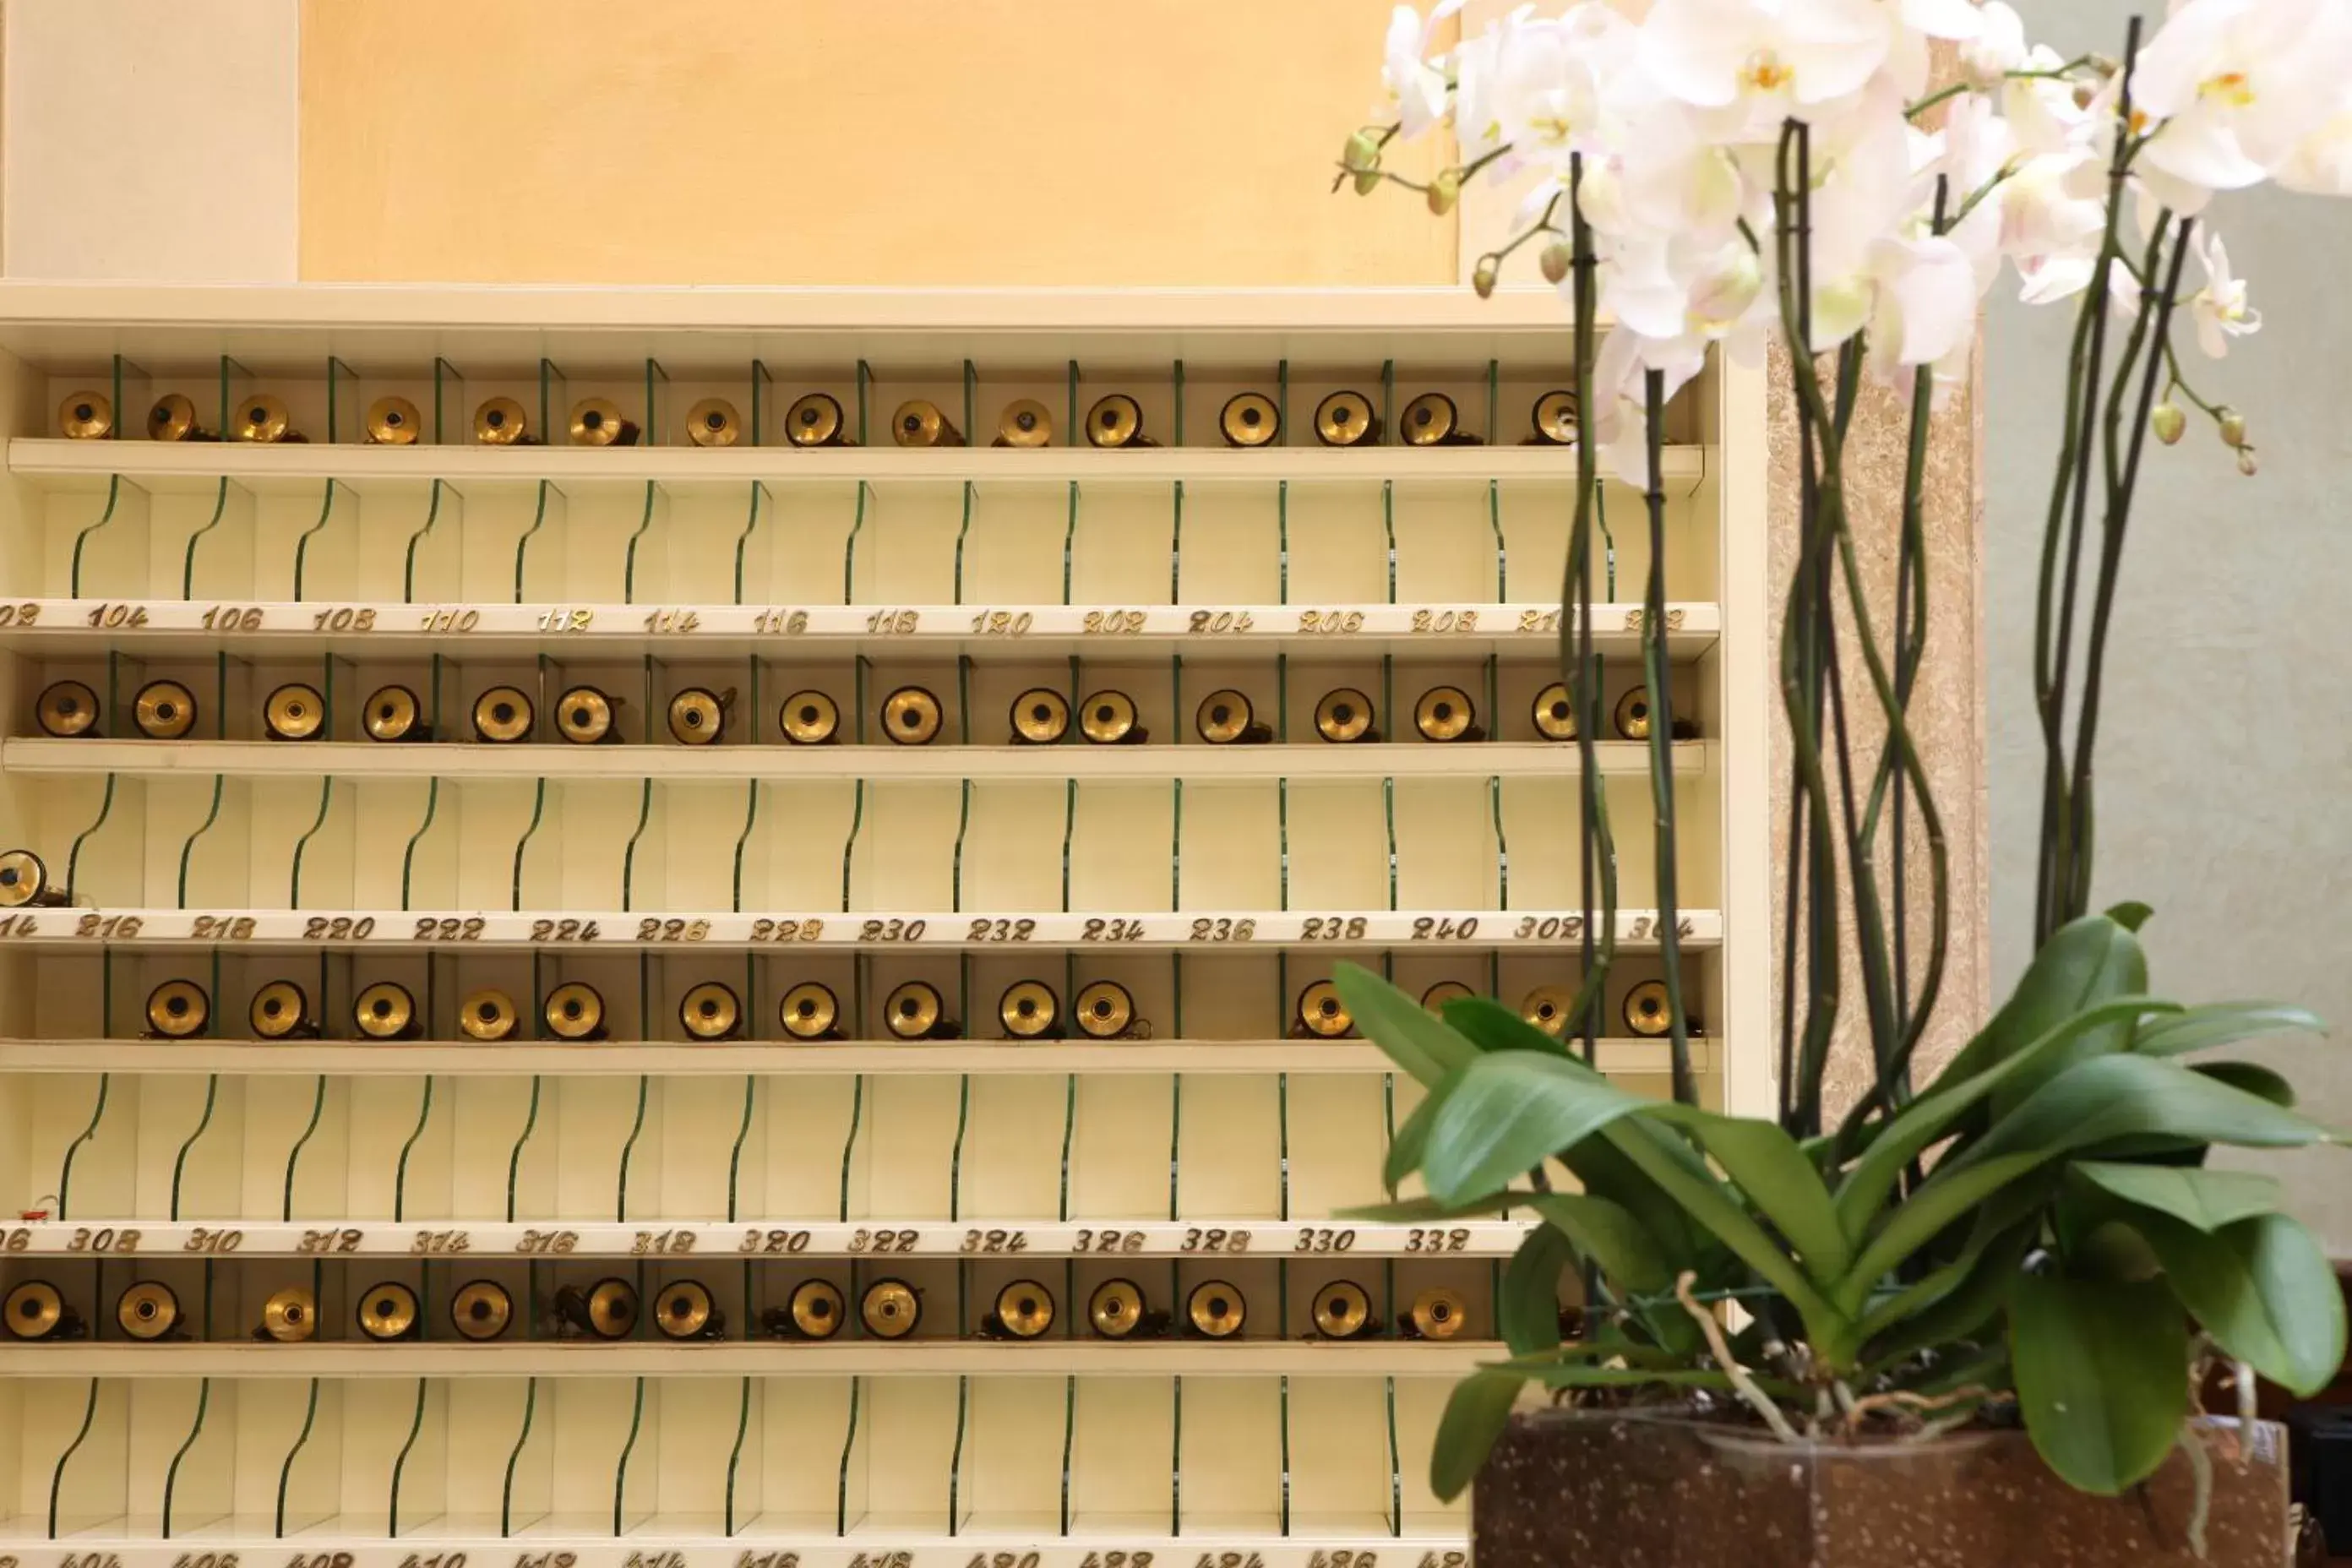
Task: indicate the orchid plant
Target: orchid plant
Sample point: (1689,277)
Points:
(2033,1233)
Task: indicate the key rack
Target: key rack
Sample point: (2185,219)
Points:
(1199,1149)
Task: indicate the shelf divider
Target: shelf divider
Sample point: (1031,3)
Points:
(514,1458)
(123,523)
(232,522)
(400,1463)
(621,1466)
(400,1171)
(195,1430)
(65,1459)
(731,1521)
(301,1446)
(848,1441)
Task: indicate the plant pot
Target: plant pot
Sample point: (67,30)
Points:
(1648,1491)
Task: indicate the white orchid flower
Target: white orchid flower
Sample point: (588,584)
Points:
(1725,291)
(2219,307)
(1477,63)
(2044,216)
(2321,163)
(1998,48)
(1951,373)
(1551,79)
(2041,110)
(1676,108)
(2233,86)
(1677,181)
(1619,421)
(1416,85)
(1925,301)
(1749,63)
(2046,279)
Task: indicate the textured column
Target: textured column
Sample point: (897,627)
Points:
(1946,714)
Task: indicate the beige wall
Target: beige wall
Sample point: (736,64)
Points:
(1144,142)
(151,139)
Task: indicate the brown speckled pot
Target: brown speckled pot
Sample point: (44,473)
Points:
(1640,1491)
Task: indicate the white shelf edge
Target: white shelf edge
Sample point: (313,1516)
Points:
(689,931)
(700,1545)
(172,464)
(684,1245)
(1619,1058)
(1305,760)
(541,1358)
(137,627)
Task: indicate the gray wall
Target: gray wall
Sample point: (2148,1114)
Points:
(2225,754)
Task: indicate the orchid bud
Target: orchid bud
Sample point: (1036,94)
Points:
(1362,153)
(1444,191)
(1482,277)
(1367,181)
(2233,428)
(2169,422)
(2246,461)
(1556,259)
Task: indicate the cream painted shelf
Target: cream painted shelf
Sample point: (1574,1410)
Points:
(834,1358)
(996,1240)
(85,467)
(1621,1058)
(1304,761)
(671,1542)
(60,629)
(575,931)
(1215,884)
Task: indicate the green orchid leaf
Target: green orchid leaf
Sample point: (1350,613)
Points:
(1475,1414)
(2084,962)
(2018,1209)
(2102,1376)
(2093,1104)
(1952,1304)
(1510,1113)
(2263,1289)
(1410,1147)
(2223,1023)
(2131,914)
(1526,1298)
(1491,1026)
(1420,1043)
(1713,1208)
(2207,1200)
(2250,1078)
(1946,1200)
(1607,1174)
(1927,1119)
(1612,1237)
(1783,1186)
(2116,1249)
(2119,1097)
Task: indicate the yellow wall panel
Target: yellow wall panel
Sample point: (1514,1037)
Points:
(1048,142)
